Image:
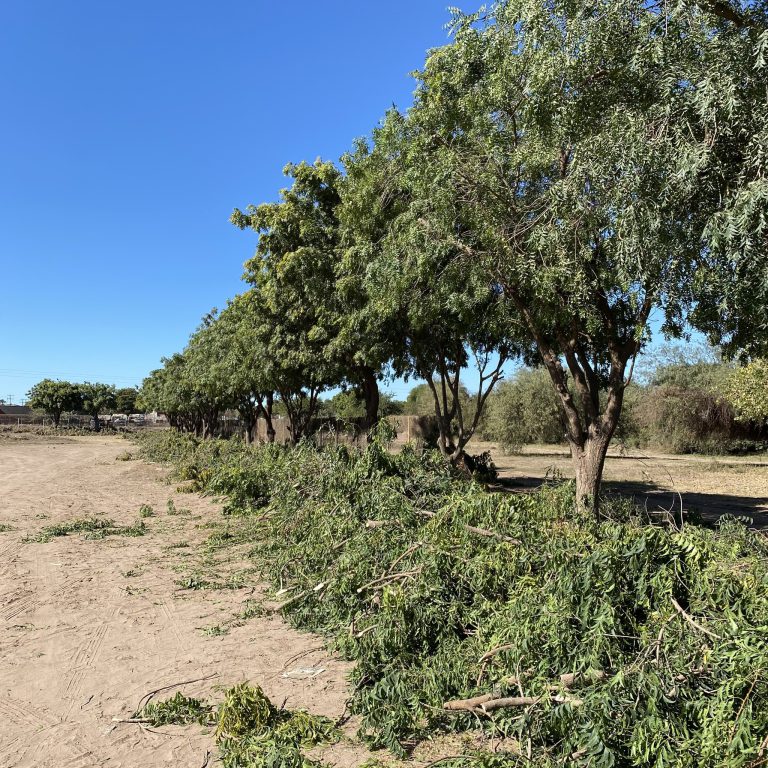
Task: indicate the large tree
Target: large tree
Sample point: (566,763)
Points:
(125,400)
(293,277)
(437,315)
(54,398)
(564,146)
(240,338)
(310,272)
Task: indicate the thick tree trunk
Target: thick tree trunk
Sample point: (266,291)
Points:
(249,423)
(96,423)
(56,419)
(445,440)
(588,461)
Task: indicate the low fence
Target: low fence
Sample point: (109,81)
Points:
(67,420)
(325,431)
(38,420)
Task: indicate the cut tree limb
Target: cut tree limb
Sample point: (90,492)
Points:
(499,649)
(478,531)
(487,702)
(695,624)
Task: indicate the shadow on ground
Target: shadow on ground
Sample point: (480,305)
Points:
(710,507)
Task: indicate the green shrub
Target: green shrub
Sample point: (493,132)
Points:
(250,731)
(523,410)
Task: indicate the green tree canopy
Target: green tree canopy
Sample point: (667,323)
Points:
(293,277)
(96,399)
(126,400)
(54,398)
(572,150)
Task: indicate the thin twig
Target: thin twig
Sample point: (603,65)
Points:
(147,697)
(687,616)
(479,531)
(385,580)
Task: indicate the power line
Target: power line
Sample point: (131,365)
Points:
(20,373)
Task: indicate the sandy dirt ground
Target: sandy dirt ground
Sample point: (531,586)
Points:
(87,627)
(711,486)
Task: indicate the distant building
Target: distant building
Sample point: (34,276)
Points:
(15,410)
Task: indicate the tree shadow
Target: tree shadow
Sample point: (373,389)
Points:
(708,507)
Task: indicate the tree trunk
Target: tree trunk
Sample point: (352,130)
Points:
(588,461)
(270,400)
(370,389)
(445,441)
(250,422)
(96,423)
(56,419)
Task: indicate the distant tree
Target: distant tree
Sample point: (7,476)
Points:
(238,347)
(346,405)
(126,400)
(54,398)
(96,399)
(293,277)
(390,406)
(419,402)
(524,410)
(350,404)
(310,278)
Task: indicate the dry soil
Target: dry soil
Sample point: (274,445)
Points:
(87,627)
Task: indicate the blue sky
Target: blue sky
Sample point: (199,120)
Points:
(131,130)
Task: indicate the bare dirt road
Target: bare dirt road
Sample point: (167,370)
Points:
(87,627)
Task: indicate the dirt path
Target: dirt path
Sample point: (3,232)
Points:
(87,627)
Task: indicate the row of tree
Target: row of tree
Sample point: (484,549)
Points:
(58,397)
(568,171)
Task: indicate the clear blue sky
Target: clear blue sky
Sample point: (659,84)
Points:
(131,130)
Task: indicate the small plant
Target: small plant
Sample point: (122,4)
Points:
(146,511)
(173,510)
(217,630)
(179,545)
(124,456)
(5,528)
(253,609)
(91,528)
(194,582)
(178,710)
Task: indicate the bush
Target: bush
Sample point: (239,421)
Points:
(682,420)
(523,410)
